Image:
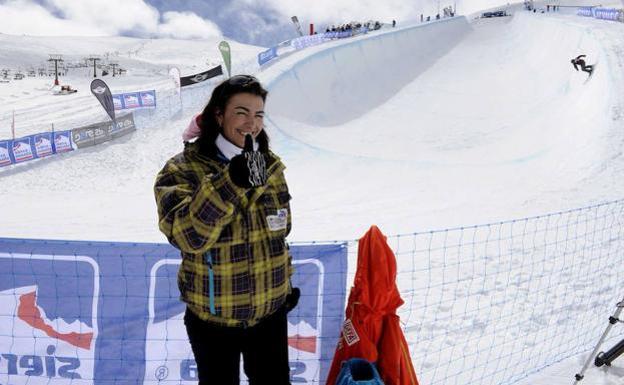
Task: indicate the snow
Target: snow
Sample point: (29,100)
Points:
(491,123)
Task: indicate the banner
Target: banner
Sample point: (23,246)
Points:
(43,144)
(265,56)
(5,153)
(62,141)
(174,72)
(139,99)
(102,313)
(224,47)
(34,147)
(98,133)
(22,149)
(102,93)
(200,77)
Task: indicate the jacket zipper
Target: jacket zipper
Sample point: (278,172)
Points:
(211,296)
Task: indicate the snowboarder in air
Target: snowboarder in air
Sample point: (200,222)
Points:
(578,61)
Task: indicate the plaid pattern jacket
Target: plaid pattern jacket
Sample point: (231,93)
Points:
(235,263)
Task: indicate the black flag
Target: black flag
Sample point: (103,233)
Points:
(100,90)
(200,77)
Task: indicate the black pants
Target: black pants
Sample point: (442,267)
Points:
(217,351)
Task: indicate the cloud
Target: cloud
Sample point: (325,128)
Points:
(321,12)
(101,18)
(339,12)
(187,25)
(267,22)
(25,17)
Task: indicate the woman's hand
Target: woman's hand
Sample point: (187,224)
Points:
(248,169)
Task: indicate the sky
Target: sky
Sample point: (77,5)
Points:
(264,23)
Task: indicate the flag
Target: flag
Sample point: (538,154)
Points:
(200,77)
(295,21)
(13,125)
(100,90)
(224,47)
(174,72)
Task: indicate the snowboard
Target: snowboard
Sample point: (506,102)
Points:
(592,73)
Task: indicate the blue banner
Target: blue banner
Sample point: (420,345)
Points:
(62,141)
(267,55)
(34,147)
(139,99)
(6,153)
(43,144)
(23,149)
(108,313)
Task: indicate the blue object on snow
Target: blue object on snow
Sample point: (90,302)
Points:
(358,371)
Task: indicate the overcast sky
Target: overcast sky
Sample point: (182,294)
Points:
(259,22)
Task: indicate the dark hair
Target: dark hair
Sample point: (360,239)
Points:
(221,95)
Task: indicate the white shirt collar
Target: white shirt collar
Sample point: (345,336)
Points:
(229,149)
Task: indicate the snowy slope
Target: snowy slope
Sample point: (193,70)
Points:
(147,61)
(478,135)
(494,124)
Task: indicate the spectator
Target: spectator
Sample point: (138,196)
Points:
(224,203)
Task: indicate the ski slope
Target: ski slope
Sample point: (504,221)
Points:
(429,126)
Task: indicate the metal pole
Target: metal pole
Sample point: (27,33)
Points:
(612,320)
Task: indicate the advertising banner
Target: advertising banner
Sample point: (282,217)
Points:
(101,132)
(62,141)
(22,149)
(118,101)
(34,147)
(200,77)
(147,98)
(267,55)
(131,100)
(138,99)
(109,313)
(226,53)
(5,153)
(43,144)
(102,93)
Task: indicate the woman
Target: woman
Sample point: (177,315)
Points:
(224,203)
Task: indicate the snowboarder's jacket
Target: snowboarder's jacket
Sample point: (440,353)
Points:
(578,61)
(235,263)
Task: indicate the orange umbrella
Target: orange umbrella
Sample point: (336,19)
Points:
(371,329)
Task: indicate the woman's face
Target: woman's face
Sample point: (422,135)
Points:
(244,114)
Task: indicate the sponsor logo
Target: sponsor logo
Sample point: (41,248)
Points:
(43,145)
(148,99)
(117,101)
(49,327)
(22,150)
(99,90)
(199,78)
(131,100)
(62,142)
(5,157)
(349,334)
(279,221)
(267,55)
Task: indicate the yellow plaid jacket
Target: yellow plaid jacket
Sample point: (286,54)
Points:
(235,263)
